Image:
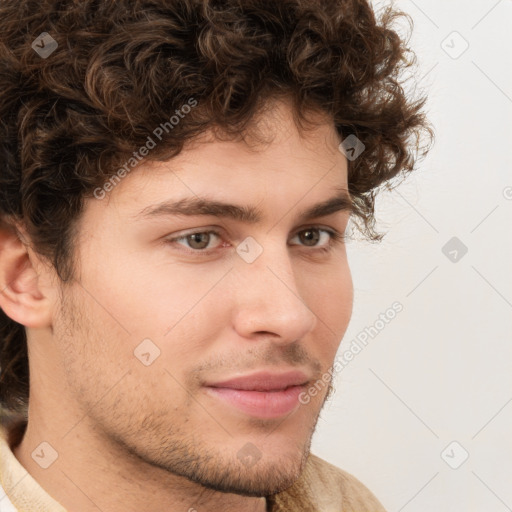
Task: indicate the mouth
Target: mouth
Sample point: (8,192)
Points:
(263,395)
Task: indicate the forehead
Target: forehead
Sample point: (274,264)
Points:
(289,164)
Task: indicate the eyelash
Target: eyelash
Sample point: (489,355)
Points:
(335,238)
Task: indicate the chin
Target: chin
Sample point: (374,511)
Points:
(267,481)
(255,477)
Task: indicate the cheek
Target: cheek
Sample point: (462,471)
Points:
(154,300)
(99,355)
(169,316)
(330,296)
(330,290)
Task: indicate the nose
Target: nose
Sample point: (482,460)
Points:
(268,301)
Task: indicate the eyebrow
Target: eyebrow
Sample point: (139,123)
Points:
(194,206)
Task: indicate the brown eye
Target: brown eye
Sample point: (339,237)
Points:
(309,237)
(317,238)
(198,240)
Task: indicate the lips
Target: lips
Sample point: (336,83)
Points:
(264,394)
(264,381)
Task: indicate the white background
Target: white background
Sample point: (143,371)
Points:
(441,371)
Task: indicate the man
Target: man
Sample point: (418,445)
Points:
(176,182)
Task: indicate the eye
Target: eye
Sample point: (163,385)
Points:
(317,237)
(203,242)
(198,241)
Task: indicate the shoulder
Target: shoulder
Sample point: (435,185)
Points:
(323,487)
(353,494)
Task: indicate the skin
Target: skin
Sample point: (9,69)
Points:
(152,433)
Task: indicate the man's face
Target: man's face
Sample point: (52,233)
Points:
(208,312)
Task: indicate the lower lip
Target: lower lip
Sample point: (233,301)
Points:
(263,404)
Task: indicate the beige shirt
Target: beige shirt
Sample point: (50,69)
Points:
(321,487)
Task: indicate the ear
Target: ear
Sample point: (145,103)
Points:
(21,297)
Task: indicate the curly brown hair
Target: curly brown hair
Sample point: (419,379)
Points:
(69,119)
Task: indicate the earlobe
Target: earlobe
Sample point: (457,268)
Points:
(21,298)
